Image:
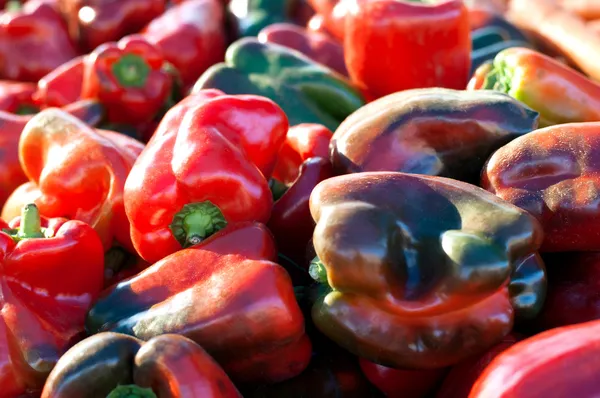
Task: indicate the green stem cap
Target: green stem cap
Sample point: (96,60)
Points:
(31,224)
(196,222)
(131,391)
(131,71)
(317,270)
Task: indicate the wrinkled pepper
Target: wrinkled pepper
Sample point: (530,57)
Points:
(561,362)
(207,164)
(303,141)
(307,91)
(430,43)
(399,383)
(435,131)
(191,37)
(560,94)
(52,269)
(107,365)
(253,15)
(75,172)
(17,97)
(552,173)
(11,173)
(433,261)
(224,293)
(33,41)
(314,45)
(129,78)
(94,22)
(62,86)
(290,220)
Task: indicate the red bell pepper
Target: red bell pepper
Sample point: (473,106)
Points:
(395,45)
(16,97)
(11,173)
(303,141)
(191,36)
(561,362)
(207,164)
(332,16)
(76,172)
(62,86)
(227,295)
(398,383)
(129,78)
(94,22)
(52,269)
(317,46)
(33,41)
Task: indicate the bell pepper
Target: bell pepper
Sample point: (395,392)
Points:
(191,36)
(33,41)
(224,293)
(462,376)
(331,15)
(207,164)
(559,93)
(489,53)
(430,43)
(433,131)
(399,383)
(561,362)
(94,22)
(432,259)
(479,75)
(307,91)
(76,172)
(128,78)
(11,125)
(62,86)
(303,141)
(107,364)
(551,173)
(17,97)
(290,220)
(314,45)
(253,15)
(52,269)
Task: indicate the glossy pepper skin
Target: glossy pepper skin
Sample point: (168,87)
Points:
(234,301)
(128,78)
(434,131)
(399,383)
(302,142)
(290,221)
(115,365)
(207,164)
(17,97)
(52,269)
(11,125)
(432,43)
(535,367)
(433,260)
(559,93)
(307,91)
(316,46)
(191,36)
(33,41)
(84,183)
(94,22)
(331,16)
(62,86)
(551,173)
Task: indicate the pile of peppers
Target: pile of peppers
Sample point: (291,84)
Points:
(294,198)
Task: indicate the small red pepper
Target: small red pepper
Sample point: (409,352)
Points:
(62,86)
(191,36)
(33,42)
(395,45)
(128,78)
(303,141)
(16,97)
(206,165)
(52,269)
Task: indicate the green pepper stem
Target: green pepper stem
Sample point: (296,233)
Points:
(31,224)
(196,222)
(317,270)
(131,391)
(131,71)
